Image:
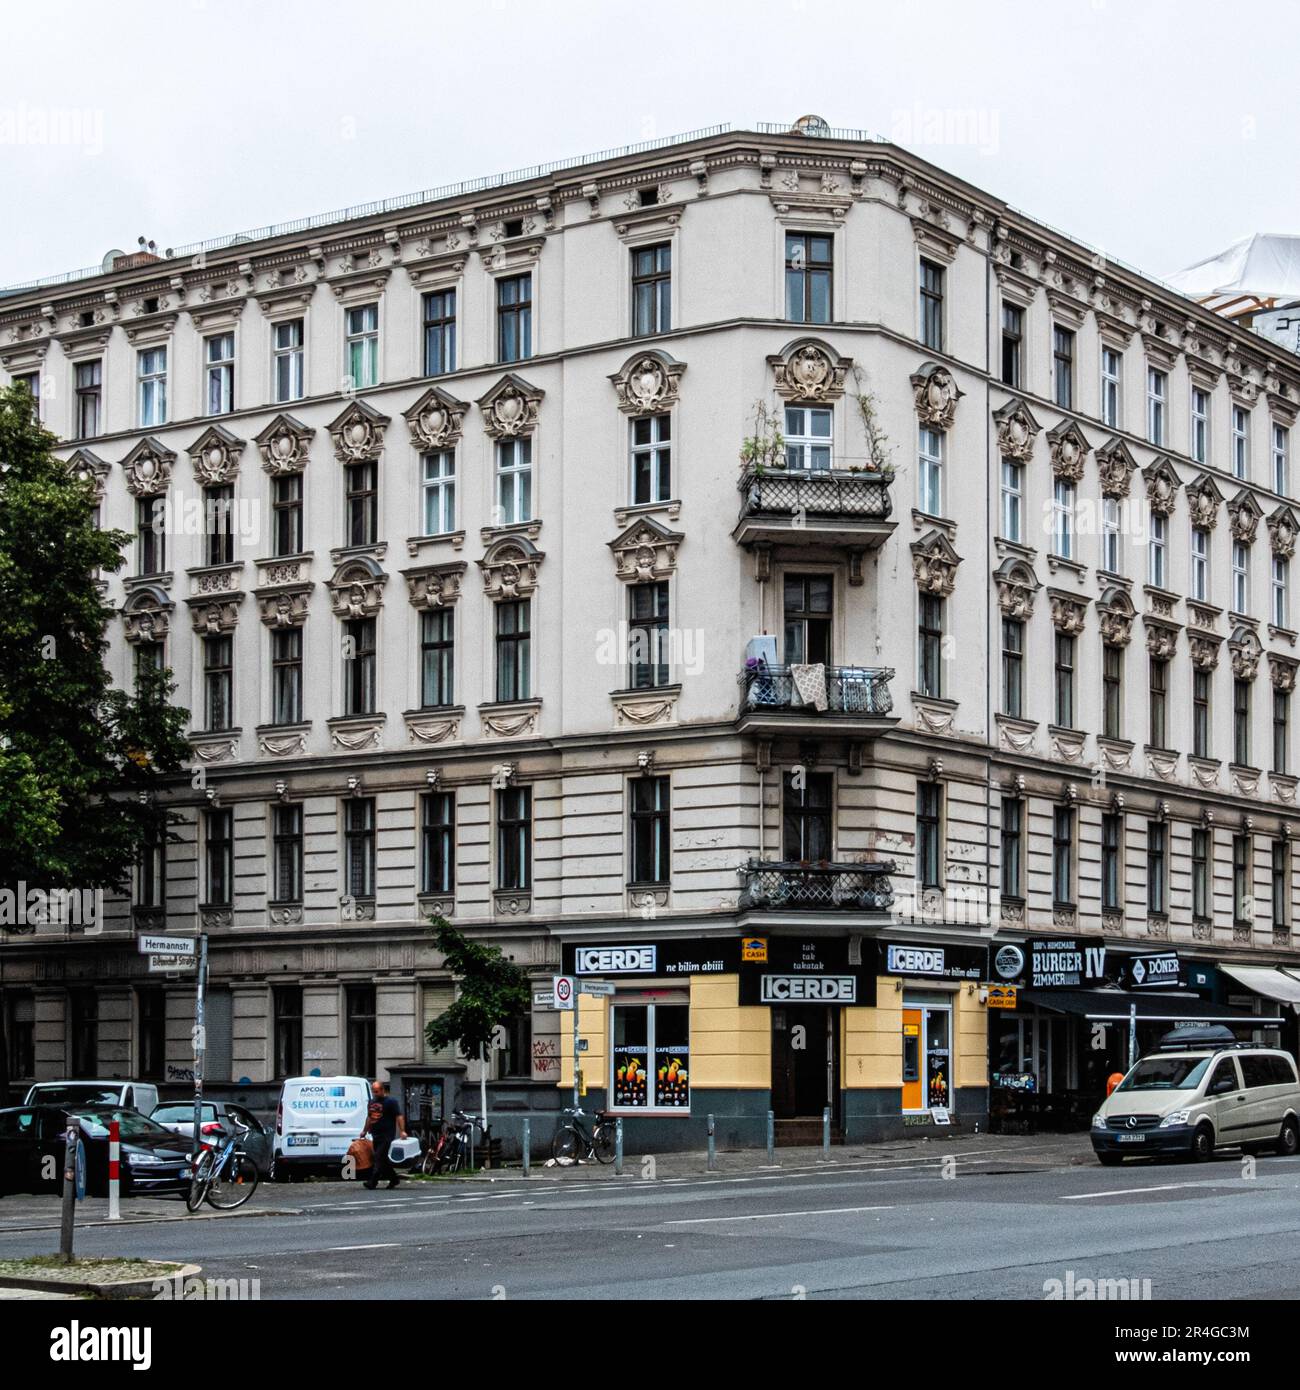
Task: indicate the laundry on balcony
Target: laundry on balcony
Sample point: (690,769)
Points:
(810,684)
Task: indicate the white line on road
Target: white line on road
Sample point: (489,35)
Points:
(334,1249)
(1134,1191)
(768,1216)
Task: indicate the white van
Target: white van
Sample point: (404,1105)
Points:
(315,1121)
(131,1095)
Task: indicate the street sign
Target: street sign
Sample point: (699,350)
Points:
(160,944)
(81,1169)
(562,990)
(544,998)
(1002,997)
(597,987)
(170,965)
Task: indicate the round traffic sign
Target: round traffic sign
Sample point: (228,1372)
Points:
(563,989)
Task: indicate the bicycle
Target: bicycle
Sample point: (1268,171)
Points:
(573,1141)
(461,1140)
(437,1151)
(226,1178)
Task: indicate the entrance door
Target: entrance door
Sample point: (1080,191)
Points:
(913,1092)
(804,1061)
(927,1058)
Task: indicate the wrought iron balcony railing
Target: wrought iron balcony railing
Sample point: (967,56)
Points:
(849,690)
(815,492)
(832,887)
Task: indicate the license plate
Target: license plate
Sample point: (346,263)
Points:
(302,1141)
(1132,1138)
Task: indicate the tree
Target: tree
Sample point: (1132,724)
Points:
(491,992)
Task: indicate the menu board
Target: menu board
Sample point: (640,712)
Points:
(672,1081)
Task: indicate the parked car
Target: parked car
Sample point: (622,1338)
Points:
(1189,1099)
(153,1159)
(134,1095)
(315,1121)
(218,1122)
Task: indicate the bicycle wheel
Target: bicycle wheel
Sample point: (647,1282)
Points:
(566,1144)
(602,1143)
(199,1180)
(234,1184)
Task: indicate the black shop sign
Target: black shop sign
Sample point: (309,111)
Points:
(1065,964)
(1158,971)
(785,970)
(929,961)
(615,959)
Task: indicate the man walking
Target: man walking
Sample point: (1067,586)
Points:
(384,1122)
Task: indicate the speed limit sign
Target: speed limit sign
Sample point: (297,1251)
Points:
(562,987)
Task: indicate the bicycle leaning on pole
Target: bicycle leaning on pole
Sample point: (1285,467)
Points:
(226,1177)
(575,1142)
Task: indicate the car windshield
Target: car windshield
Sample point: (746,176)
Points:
(80,1093)
(1170,1073)
(131,1124)
(182,1113)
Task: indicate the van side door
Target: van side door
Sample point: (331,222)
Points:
(1228,1107)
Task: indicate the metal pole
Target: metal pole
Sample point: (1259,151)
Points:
(70,1137)
(528,1144)
(826,1133)
(576,1000)
(771,1137)
(1132,1034)
(618,1146)
(114,1170)
(200,1042)
(713,1152)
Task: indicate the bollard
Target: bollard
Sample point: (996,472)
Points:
(771,1136)
(713,1152)
(528,1143)
(826,1134)
(114,1170)
(618,1146)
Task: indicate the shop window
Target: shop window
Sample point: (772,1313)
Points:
(650,1057)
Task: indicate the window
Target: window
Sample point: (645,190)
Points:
(929,811)
(219,524)
(151,871)
(807,437)
(437,658)
(1013,500)
(218,856)
(1157,393)
(1280,589)
(1240,442)
(809,602)
(1112,691)
(20,1030)
(83,1011)
(806,824)
(361,1030)
(652,474)
(361,483)
(514,318)
(217,684)
(1240,577)
(287,360)
(219,373)
(1063,820)
(151,385)
(438,842)
(1110,550)
(148,660)
(288,1030)
(1280,881)
(1157,549)
(1242,906)
(286,675)
(361,346)
(650,1057)
(359,846)
(929,661)
(932,305)
(930,472)
(439,332)
(1241,723)
(151,1032)
(286,854)
(1201,688)
(514,481)
(1200,875)
(1200,563)
(438,483)
(1063,712)
(89,385)
(1112,849)
(514,837)
(1063,367)
(1063,519)
(1200,425)
(652,285)
(32,381)
(648,635)
(1158,731)
(1112,367)
(807,278)
(1282,731)
(1013,662)
(1157,837)
(151,535)
(1013,333)
(359,666)
(650,836)
(1281,459)
(513,649)
(1013,814)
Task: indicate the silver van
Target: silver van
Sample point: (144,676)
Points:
(132,1095)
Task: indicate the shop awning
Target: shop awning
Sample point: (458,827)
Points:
(1265,980)
(1113,1005)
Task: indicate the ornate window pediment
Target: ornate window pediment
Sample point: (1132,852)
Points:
(435,420)
(358,433)
(215,456)
(285,445)
(809,370)
(434,586)
(1016,430)
(1017,587)
(1245,647)
(1244,514)
(648,383)
(148,468)
(934,564)
(1162,638)
(1161,486)
(357,588)
(1070,449)
(1282,531)
(510,407)
(284,606)
(147,614)
(212,614)
(1115,613)
(1204,648)
(1116,465)
(645,551)
(91,469)
(1068,612)
(935,394)
(1203,502)
(1282,672)
(510,566)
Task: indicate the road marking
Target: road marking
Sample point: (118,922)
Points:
(769,1216)
(1133,1191)
(334,1249)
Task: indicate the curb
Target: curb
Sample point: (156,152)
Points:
(121,1288)
(148,1221)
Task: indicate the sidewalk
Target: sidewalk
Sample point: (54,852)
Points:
(29,1212)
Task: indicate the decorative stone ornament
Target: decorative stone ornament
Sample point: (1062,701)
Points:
(1161,487)
(510,408)
(146,615)
(1016,431)
(1281,670)
(510,567)
(1246,650)
(1282,532)
(646,551)
(934,564)
(1244,514)
(1115,614)
(435,420)
(358,433)
(434,586)
(648,383)
(286,607)
(1204,651)
(1068,612)
(1203,502)
(935,394)
(1116,466)
(357,588)
(285,445)
(1017,585)
(148,468)
(91,469)
(809,370)
(215,457)
(1070,451)
(1162,639)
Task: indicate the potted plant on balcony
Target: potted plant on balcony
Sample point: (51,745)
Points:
(879,453)
(765,448)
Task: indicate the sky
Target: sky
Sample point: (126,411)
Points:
(1157,130)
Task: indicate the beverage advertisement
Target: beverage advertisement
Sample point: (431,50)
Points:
(630,1072)
(672,1082)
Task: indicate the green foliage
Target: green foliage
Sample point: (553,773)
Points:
(492,991)
(879,450)
(765,448)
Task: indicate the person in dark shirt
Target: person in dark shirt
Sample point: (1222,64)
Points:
(384,1122)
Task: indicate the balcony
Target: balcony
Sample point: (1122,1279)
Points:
(814,508)
(801,887)
(857,699)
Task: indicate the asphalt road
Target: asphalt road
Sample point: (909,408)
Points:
(861,1229)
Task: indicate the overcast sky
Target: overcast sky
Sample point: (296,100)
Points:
(1159,130)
